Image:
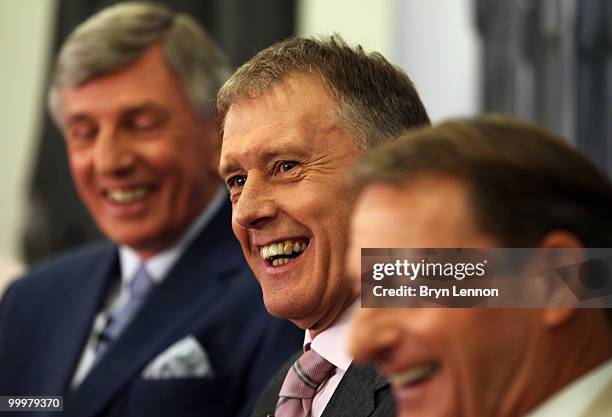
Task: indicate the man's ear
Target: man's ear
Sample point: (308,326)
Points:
(556,316)
(553,317)
(560,239)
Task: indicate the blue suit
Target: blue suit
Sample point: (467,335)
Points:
(47,316)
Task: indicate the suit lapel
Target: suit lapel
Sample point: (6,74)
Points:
(73,319)
(192,284)
(355,395)
(266,404)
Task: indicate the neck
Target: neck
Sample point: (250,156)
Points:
(580,346)
(332,316)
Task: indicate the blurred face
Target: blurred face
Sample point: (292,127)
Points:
(284,159)
(440,362)
(142,160)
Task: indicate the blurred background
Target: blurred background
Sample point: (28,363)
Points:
(549,61)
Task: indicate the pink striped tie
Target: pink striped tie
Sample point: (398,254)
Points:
(301,383)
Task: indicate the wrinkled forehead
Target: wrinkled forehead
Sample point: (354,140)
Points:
(294,117)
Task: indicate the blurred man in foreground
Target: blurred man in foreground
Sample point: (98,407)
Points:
(166,320)
(297,117)
(491,182)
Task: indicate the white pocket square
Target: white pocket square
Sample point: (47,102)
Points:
(184,359)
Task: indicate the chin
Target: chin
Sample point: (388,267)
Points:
(133,240)
(280,305)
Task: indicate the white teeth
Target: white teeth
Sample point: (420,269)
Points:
(280,261)
(412,375)
(127,196)
(285,247)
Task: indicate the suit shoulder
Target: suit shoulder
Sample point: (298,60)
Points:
(46,275)
(363,391)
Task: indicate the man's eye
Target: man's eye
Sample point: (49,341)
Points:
(143,121)
(286,166)
(236,181)
(81,131)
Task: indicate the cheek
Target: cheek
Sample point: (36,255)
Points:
(472,342)
(240,233)
(450,333)
(159,156)
(78,159)
(200,150)
(180,170)
(81,168)
(332,211)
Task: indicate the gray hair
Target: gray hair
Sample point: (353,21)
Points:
(118,35)
(376,101)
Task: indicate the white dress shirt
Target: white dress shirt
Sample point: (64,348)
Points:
(575,398)
(157,267)
(331,344)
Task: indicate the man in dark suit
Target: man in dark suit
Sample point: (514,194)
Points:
(492,182)
(296,117)
(166,320)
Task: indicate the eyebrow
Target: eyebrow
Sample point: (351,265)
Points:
(286,152)
(77,117)
(227,168)
(129,111)
(146,106)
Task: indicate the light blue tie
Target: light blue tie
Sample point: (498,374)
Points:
(119,320)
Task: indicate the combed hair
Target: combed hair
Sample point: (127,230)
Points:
(375,100)
(524,181)
(118,35)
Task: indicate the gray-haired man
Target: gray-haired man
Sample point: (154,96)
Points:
(166,320)
(298,116)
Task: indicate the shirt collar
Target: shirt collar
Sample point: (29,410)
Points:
(575,398)
(158,265)
(332,343)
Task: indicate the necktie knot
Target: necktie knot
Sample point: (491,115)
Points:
(301,384)
(141,283)
(140,286)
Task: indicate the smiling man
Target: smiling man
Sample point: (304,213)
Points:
(491,182)
(166,320)
(298,116)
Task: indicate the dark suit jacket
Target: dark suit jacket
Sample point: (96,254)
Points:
(46,318)
(362,392)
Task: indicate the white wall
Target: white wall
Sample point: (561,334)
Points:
(434,41)
(436,44)
(25,42)
(363,22)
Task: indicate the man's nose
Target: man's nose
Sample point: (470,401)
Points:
(372,334)
(256,205)
(113,154)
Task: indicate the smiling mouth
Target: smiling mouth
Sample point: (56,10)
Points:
(127,195)
(284,251)
(413,376)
